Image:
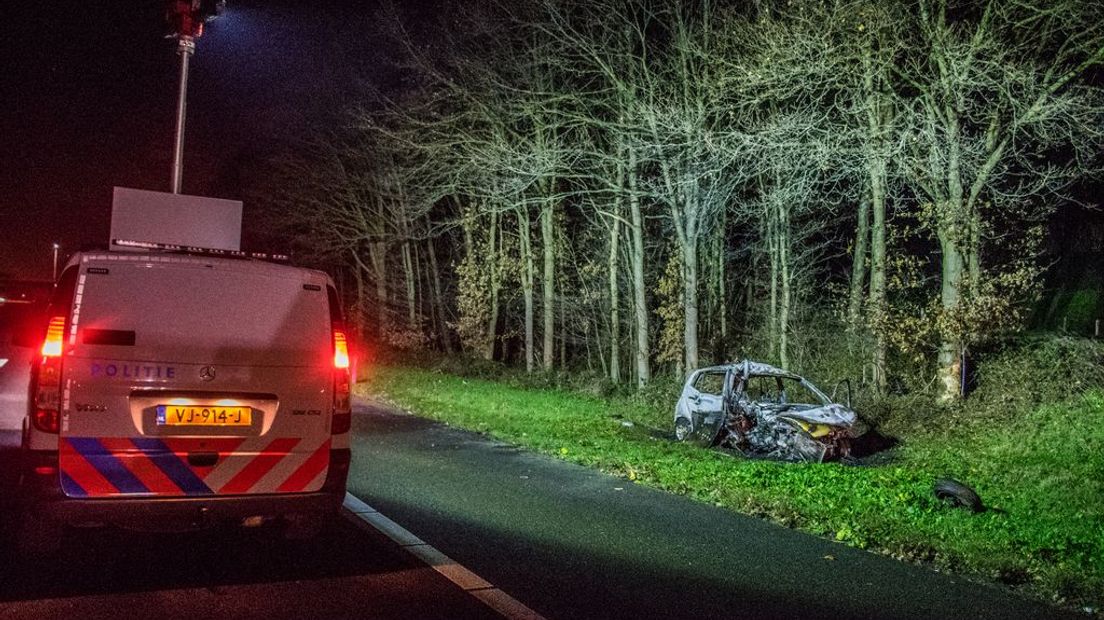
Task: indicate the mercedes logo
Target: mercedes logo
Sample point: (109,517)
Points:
(207,373)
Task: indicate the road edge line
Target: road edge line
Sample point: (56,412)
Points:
(476,586)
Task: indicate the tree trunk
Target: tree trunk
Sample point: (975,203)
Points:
(787,290)
(690,285)
(426,305)
(719,285)
(408,276)
(858,267)
(549,281)
(361,301)
(640,308)
(362,296)
(493,261)
(879,119)
(438,297)
(878,269)
(377,254)
(563,333)
(949,362)
(950,232)
(772,252)
(419,286)
(527,276)
(614,301)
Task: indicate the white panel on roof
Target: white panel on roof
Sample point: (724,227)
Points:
(157,217)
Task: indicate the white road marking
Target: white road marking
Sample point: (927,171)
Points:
(468,581)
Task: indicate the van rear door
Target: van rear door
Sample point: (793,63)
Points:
(188,375)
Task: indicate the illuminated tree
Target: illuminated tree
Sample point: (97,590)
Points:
(997,124)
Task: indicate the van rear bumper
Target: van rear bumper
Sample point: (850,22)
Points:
(44,497)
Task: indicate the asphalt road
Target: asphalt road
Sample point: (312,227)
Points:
(573,543)
(349,571)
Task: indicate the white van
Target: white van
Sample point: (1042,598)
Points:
(176,390)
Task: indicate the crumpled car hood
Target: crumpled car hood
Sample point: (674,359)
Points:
(833,415)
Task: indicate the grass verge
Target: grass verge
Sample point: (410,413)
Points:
(1042,474)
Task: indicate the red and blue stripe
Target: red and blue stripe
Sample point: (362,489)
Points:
(101,466)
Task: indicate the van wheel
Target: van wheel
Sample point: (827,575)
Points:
(306,526)
(38,537)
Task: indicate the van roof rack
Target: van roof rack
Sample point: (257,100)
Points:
(189,249)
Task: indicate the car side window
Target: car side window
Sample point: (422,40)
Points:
(763,389)
(710,383)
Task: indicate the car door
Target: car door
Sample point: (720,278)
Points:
(703,399)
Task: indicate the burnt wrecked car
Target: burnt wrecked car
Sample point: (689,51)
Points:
(762,411)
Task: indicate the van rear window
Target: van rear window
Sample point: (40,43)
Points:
(335,306)
(201,314)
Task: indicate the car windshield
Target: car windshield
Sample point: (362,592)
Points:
(776,390)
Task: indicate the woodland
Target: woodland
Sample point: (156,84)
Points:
(636,188)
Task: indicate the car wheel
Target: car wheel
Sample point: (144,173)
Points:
(682,429)
(956,494)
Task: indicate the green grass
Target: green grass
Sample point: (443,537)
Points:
(1043,473)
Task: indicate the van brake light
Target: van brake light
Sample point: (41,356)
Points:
(55,337)
(47,420)
(342,405)
(341,350)
(46,383)
(342,418)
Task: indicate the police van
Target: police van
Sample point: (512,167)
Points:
(180,388)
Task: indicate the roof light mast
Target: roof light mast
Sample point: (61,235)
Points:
(186,19)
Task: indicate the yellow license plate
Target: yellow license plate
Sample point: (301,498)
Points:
(203,415)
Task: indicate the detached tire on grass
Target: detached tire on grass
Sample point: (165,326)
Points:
(956,494)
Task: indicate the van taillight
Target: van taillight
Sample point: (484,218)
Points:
(342,407)
(342,415)
(47,420)
(55,337)
(47,395)
(342,419)
(341,350)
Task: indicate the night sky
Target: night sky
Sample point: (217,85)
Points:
(88,98)
(88,94)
